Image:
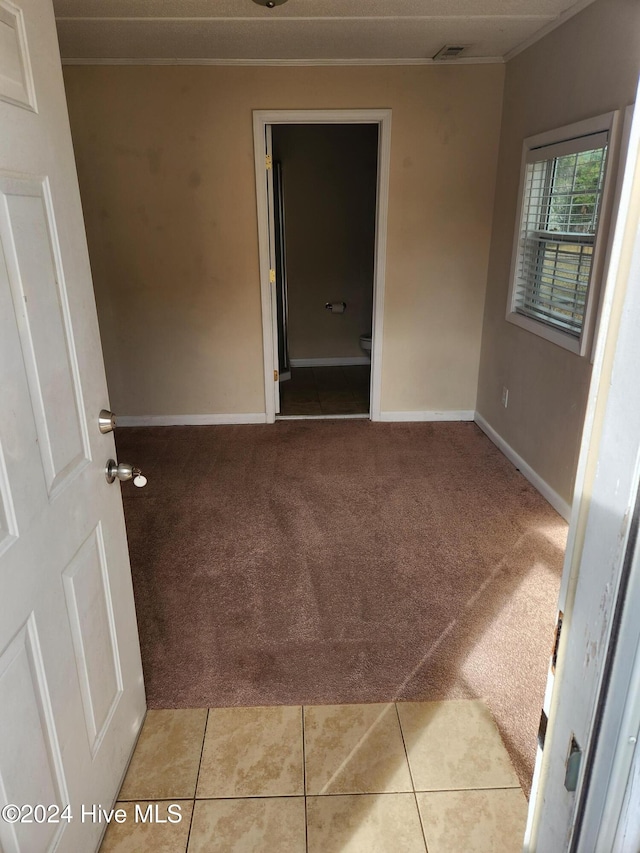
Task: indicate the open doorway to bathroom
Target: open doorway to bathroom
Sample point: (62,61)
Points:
(324,193)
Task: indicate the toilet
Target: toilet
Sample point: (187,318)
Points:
(365,344)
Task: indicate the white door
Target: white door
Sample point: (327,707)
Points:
(566,814)
(71,690)
(271,211)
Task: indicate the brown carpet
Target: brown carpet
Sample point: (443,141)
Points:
(342,561)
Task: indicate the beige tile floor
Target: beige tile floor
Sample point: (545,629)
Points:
(416,777)
(326,391)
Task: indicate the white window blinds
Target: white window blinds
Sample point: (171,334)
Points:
(559,218)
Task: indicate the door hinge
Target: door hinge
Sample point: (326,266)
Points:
(268,161)
(275,375)
(272,276)
(556,641)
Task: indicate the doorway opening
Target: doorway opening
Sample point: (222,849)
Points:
(322,193)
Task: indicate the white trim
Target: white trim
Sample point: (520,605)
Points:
(607,801)
(623,150)
(266,63)
(465,60)
(447,415)
(191,420)
(588,127)
(270,210)
(562,18)
(279,19)
(587,694)
(380,265)
(381,117)
(356,116)
(558,503)
(608,123)
(264,263)
(341,361)
(537,327)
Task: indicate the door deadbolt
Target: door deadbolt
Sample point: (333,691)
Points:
(106,421)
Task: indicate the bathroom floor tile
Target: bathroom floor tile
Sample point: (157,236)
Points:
(252,752)
(134,836)
(249,826)
(304,394)
(454,745)
(366,823)
(335,395)
(326,391)
(166,758)
(293,405)
(344,407)
(329,378)
(491,821)
(358,375)
(301,377)
(354,749)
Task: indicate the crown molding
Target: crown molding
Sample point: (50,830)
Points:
(544,30)
(304,18)
(469,60)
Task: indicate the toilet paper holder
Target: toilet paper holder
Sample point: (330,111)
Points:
(336,307)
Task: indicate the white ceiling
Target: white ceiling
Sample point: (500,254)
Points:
(303,30)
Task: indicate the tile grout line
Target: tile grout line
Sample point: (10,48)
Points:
(332,794)
(324,791)
(222,799)
(195,790)
(413,784)
(304,783)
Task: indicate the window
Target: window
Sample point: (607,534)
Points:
(555,255)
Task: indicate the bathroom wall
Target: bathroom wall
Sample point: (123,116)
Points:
(166,168)
(329,183)
(586,67)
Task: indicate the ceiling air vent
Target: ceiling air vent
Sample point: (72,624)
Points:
(451,51)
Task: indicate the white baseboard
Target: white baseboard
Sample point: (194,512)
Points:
(558,503)
(329,362)
(451,415)
(191,420)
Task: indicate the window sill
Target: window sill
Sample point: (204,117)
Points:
(555,336)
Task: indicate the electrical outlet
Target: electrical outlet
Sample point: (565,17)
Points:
(505,396)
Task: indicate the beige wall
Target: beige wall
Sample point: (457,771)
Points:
(588,66)
(165,159)
(329,180)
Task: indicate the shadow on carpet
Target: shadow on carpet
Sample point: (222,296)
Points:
(312,562)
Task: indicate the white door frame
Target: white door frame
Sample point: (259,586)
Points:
(593,698)
(382,117)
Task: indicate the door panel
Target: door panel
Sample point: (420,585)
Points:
(8,525)
(16,81)
(28,235)
(71,689)
(30,762)
(90,608)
